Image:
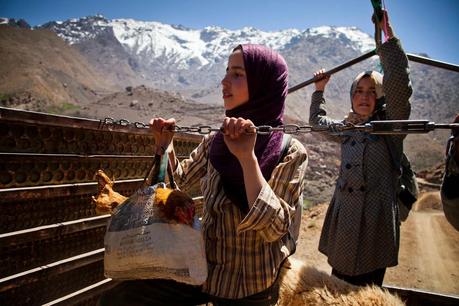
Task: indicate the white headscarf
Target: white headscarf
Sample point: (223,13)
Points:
(377,77)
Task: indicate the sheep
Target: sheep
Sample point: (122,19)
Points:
(305,285)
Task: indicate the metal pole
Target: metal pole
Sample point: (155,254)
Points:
(411,57)
(377,17)
(397,127)
(431,62)
(334,70)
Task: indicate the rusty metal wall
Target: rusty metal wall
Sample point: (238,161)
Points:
(51,241)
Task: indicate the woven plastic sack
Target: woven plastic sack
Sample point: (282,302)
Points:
(141,243)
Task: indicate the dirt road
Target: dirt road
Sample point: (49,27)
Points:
(429,249)
(429,254)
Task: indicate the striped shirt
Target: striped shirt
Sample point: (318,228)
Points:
(244,252)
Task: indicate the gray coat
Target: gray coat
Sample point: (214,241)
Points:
(361,229)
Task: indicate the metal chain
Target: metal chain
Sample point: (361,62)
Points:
(390,127)
(206,129)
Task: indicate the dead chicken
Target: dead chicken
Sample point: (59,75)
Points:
(107,199)
(173,205)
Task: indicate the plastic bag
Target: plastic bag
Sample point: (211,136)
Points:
(142,243)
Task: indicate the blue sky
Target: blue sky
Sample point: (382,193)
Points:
(424,26)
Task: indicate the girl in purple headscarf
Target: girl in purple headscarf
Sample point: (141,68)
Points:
(252,192)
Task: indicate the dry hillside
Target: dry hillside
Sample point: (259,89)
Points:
(42,72)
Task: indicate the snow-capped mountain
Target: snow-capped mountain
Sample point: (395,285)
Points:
(187,48)
(78,30)
(21,23)
(192,61)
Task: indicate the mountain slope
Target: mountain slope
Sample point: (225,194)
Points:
(140,104)
(44,67)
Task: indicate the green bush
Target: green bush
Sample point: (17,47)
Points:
(307,203)
(63,108)
(4,96)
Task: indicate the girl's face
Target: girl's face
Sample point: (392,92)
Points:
(235,89)
(364,98)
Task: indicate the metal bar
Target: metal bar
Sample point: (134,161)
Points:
(50,191)
(447,126)
(61,266)
(10,114)
(377,34)
(56,169)
(30,207)
(51,230)
(334,70)
(378,15)
(45,119)
(22,194)
(85,293)
(431,62)
(412,296)
(39,155)
(48,231)
(396,127)
(411,57)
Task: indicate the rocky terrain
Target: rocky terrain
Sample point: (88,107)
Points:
(141,104)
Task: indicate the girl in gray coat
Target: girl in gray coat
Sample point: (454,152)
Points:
(360,235)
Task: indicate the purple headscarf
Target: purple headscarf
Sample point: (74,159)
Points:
(267,78)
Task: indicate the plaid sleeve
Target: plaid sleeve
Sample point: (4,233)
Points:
(274,208)
(190,170)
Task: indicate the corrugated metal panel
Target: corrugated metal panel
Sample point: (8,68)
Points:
(51,241)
